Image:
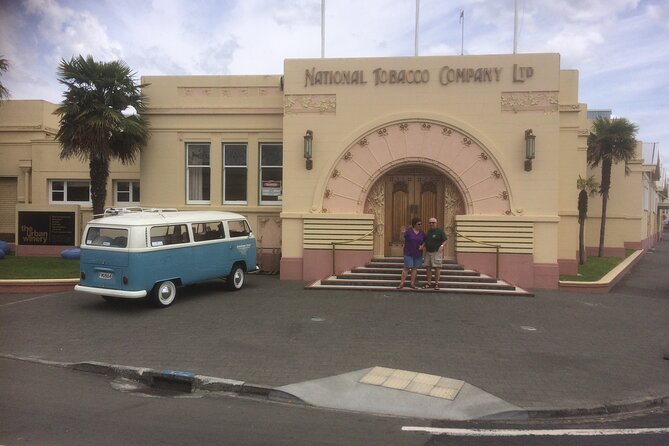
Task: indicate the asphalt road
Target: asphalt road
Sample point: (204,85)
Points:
(47,405)
(552,350)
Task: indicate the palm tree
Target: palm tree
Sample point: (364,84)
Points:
(588,187)
(94,123)
(611,141)
(4,66)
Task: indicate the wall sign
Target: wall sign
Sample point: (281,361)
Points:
(46,228)
(446,75)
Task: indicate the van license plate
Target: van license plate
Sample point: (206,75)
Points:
(106,276)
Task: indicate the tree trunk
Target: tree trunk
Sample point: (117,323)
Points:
(602,228)
(604,190)
(582,214)
(99,171)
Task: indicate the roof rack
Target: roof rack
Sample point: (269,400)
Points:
(135,209)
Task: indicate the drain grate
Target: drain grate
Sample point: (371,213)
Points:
(414,382)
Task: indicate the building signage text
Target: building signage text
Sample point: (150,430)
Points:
(446,75)
(46,228)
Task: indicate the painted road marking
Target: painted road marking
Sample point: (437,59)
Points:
(25,300)
(535,432)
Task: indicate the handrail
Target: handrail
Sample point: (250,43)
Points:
(486,244)
(345,242)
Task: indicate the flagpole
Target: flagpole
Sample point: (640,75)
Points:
(515,28)
(417,15)
(322,29)
(462,21)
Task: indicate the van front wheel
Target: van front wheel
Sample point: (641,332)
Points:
(164,294)
(235,279)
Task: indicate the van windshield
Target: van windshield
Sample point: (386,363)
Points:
(113,237)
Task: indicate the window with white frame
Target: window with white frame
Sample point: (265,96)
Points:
(235,173)
(126,193)
(70,191)
(198,173)
(271,173)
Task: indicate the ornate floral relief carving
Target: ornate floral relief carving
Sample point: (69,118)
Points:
(529,101)
(262,221)
(300,104)
(382,132)
(452,199)
(426,126)
(446,131)
(404,127)
(483,156)
(375,204)
(453,205)
(363,142)
(228,92)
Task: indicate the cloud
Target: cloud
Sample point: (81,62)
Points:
(618,46)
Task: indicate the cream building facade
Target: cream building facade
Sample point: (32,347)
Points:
(349,150)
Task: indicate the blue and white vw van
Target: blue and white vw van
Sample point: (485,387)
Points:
(136,253)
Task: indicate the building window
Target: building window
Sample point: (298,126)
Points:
(271,171)
(126,193)
(198,174)
(234,173)
(70,192)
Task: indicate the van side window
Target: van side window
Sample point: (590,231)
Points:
(212,230)
(239,228)
(169,235)
(112,237)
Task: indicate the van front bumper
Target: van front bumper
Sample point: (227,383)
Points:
(112,293)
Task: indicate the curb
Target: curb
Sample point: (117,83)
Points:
(188,382)
(36,285)
(605,409)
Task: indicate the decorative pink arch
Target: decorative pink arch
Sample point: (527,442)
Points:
(458,155)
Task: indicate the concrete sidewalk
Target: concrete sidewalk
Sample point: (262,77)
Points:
(558,353)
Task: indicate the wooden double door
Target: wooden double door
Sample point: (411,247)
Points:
(411,193)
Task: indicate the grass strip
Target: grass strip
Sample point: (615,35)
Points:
(29,267)
(595,268)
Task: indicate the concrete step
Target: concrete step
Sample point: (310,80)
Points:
(514,291)
(398,270)
(496,285)
(474,278)
(384,274)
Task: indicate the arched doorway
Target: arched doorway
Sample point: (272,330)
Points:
(407,192)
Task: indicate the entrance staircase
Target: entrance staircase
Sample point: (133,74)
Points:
(384,274)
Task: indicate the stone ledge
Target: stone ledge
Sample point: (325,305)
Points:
(607,282)
(37,285)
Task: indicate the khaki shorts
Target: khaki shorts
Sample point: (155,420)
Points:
(433,259)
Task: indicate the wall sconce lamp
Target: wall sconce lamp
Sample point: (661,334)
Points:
(308,148)
(529,149)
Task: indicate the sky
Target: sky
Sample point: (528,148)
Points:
(619,47)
